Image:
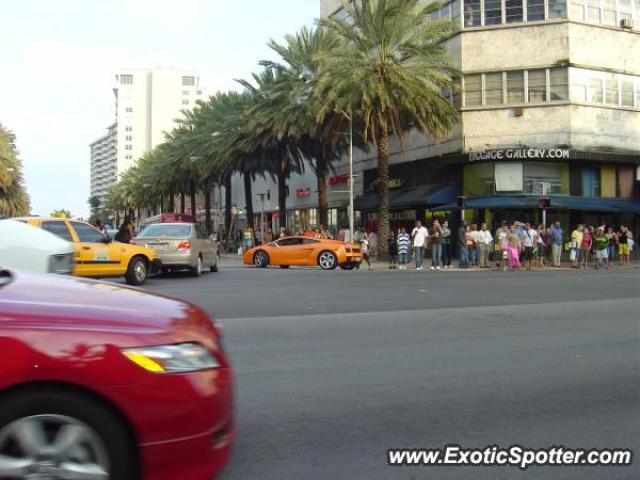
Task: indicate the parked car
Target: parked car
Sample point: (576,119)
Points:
(104,381)
(181,245)
(29,248)
(99,256)
(305,251)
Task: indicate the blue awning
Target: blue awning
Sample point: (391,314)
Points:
(525,202)
(425,195)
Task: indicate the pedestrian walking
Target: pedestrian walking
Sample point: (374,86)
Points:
(393,250)
(463,251)
(542,245)
(403,248)
(612,245)
(556,234)
(502,240)
(248,239)
(472,244)
(446,245)
(602,249)
(419,235)
(623,245)
(435,237)
(342,233)
(364,249)
(529,241)
(575,245)
(592,250)
(484,241)
(585,247)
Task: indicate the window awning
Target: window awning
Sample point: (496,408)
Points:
(425,195)
(588,204)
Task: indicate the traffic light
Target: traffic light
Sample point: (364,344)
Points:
(544,203)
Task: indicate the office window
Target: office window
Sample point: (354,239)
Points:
(590,182)
(535,10)
(513,10)
(609,12)
(537,86)
(455,12)
(185,92)
(188,81)
(199,92)
(472,13)
(515,87)
(128,128)
(473,90)
(611,89)
(624,11)
(608,181)
(594,84)
(128,147)
(185,102)
(493,89)
(479,179)
(492,12)
(128,137)
(626,180)
(559,85)
(126,79)
(557,9)
(128,110)
(456,97)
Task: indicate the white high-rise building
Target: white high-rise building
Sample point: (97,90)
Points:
(147,103)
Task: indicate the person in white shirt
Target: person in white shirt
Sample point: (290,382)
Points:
(419,235)
(484,243)
(529,242)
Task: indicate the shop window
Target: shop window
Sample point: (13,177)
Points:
(509,177)
(472,13)
(611,88)
(513,10)
(626,90)
(535,10)
(473,90)
(626,181)
(479,179)
(493,89)
(590,182)
(537,86)
(515,87)
(549,177)
(558,84)
(492,12)
(608,180)
(557,8)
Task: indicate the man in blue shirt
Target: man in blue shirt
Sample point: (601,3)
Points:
(556,235)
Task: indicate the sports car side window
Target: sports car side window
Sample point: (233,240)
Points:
(289,242)
(308,241)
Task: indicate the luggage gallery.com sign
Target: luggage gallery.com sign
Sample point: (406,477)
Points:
(520,154)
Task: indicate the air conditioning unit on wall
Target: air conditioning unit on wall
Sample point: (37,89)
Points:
(626,23)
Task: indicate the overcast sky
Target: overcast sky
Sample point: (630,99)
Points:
(59,59)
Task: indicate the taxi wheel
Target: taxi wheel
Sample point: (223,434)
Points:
(197,270)
(327,260)
(137,271)
(261,259)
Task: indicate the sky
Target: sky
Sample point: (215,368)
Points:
(59,59)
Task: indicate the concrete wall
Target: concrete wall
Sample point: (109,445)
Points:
(599,128)
(600,47)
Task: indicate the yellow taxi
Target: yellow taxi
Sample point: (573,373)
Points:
(97,255)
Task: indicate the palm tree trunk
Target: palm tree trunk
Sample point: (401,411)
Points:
(193,199)
(227,205)
(182,202)
(161,203)
(383,191)
(248,198)
(323,200)
(282,197)
(207,208)
(172,202)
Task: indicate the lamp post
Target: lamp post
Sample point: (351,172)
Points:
(262,195)
(351,215)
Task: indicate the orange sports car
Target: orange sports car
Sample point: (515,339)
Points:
(305,251)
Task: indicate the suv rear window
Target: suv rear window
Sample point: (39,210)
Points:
(177,230)
(58,228)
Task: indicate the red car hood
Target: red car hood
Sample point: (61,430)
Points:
(61,302)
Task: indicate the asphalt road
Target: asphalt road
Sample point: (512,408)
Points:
(334,368)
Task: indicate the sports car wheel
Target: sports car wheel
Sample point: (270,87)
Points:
(327,260)
(260,259)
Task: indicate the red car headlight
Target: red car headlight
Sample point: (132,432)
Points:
(181,358)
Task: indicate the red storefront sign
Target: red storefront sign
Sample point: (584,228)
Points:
(303,192)
(339,180)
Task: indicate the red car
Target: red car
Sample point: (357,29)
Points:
(99,381)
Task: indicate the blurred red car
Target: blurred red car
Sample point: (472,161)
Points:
(99,381)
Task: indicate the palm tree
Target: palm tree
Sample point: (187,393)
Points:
(14,200)
(296,117)
(389,69)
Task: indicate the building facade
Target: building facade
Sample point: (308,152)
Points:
(550,107)
(103,163)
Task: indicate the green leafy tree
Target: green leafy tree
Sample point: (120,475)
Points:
(14,200)
(389,70)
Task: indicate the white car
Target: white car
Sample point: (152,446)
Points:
(26,247)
